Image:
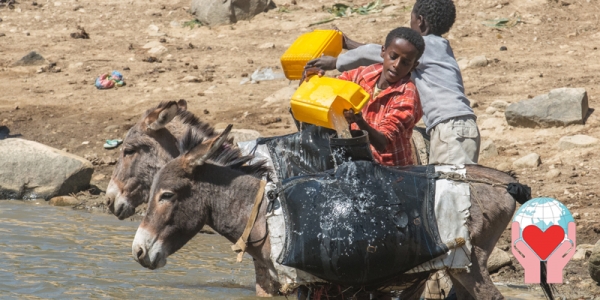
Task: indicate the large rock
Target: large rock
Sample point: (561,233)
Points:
(594,263)
(560,107)
(497,260)
(576,141)
(30,170)
(215,12)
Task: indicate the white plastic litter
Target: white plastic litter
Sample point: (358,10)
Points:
(263,74)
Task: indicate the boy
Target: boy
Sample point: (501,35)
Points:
(394,107)
(447,114)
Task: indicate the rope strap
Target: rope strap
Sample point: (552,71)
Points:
(240,246)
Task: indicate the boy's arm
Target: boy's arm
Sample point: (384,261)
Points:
(376,138)
(402,113)
(364,55)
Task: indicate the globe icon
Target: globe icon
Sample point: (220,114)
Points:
(543,213)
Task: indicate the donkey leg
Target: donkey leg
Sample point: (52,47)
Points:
(461,292)
(266,285)
(477,283)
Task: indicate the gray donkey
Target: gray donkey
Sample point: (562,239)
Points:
(207,185)
(148,146)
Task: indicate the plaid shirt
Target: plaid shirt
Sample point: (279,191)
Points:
(394,112)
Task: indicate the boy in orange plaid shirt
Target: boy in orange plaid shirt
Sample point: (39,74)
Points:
(394,107)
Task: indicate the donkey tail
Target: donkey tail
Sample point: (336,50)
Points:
(520,192)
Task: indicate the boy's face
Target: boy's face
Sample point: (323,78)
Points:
(399,59)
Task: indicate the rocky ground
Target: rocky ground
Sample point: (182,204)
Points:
(546,44)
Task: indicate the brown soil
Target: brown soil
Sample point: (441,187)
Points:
(555,45)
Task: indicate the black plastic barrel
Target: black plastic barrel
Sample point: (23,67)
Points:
(355,148)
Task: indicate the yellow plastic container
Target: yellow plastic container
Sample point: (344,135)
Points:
(309,46)
(317,99)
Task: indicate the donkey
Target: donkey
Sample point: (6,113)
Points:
(149,145)
(195,189)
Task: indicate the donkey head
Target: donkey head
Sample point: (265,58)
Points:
(189,192)
(148,146)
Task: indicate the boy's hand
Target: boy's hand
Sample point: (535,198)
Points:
(309,71)
(324,62)
(347,43)
(351,117)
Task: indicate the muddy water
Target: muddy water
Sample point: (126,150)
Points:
(51,252)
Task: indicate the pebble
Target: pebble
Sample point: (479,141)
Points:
(111,128)
(503,48)
(64,201)
(478,61)
(530,160)
(2,34)
(98,177)
(153,28)
(490,110)
(553,173)
(266,46)
(191,78)
(499,104)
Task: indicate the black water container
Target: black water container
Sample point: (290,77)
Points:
(355,148)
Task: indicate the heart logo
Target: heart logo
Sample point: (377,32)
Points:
(543,242)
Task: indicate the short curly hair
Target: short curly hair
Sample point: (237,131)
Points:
(439,14)
(408,34)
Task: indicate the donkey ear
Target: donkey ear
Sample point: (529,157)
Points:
(201,153)
(182,104)
(160,117)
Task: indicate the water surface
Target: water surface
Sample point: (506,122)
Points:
(55,252)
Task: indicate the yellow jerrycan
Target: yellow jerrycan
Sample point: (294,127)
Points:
(317,100)
(309,46)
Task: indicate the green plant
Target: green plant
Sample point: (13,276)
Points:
(192,23)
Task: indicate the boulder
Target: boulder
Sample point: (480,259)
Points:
(560,107)
(576,141)
(497,260)
(488,149)
(216,12)
(594,263)
(30,170)
(531,160)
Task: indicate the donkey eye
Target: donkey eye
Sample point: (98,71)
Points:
(166,196)
(128,151)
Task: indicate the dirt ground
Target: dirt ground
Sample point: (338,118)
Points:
(554,44)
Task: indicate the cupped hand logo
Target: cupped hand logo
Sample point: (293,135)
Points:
(543,229)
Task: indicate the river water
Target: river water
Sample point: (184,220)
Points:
(55,252)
